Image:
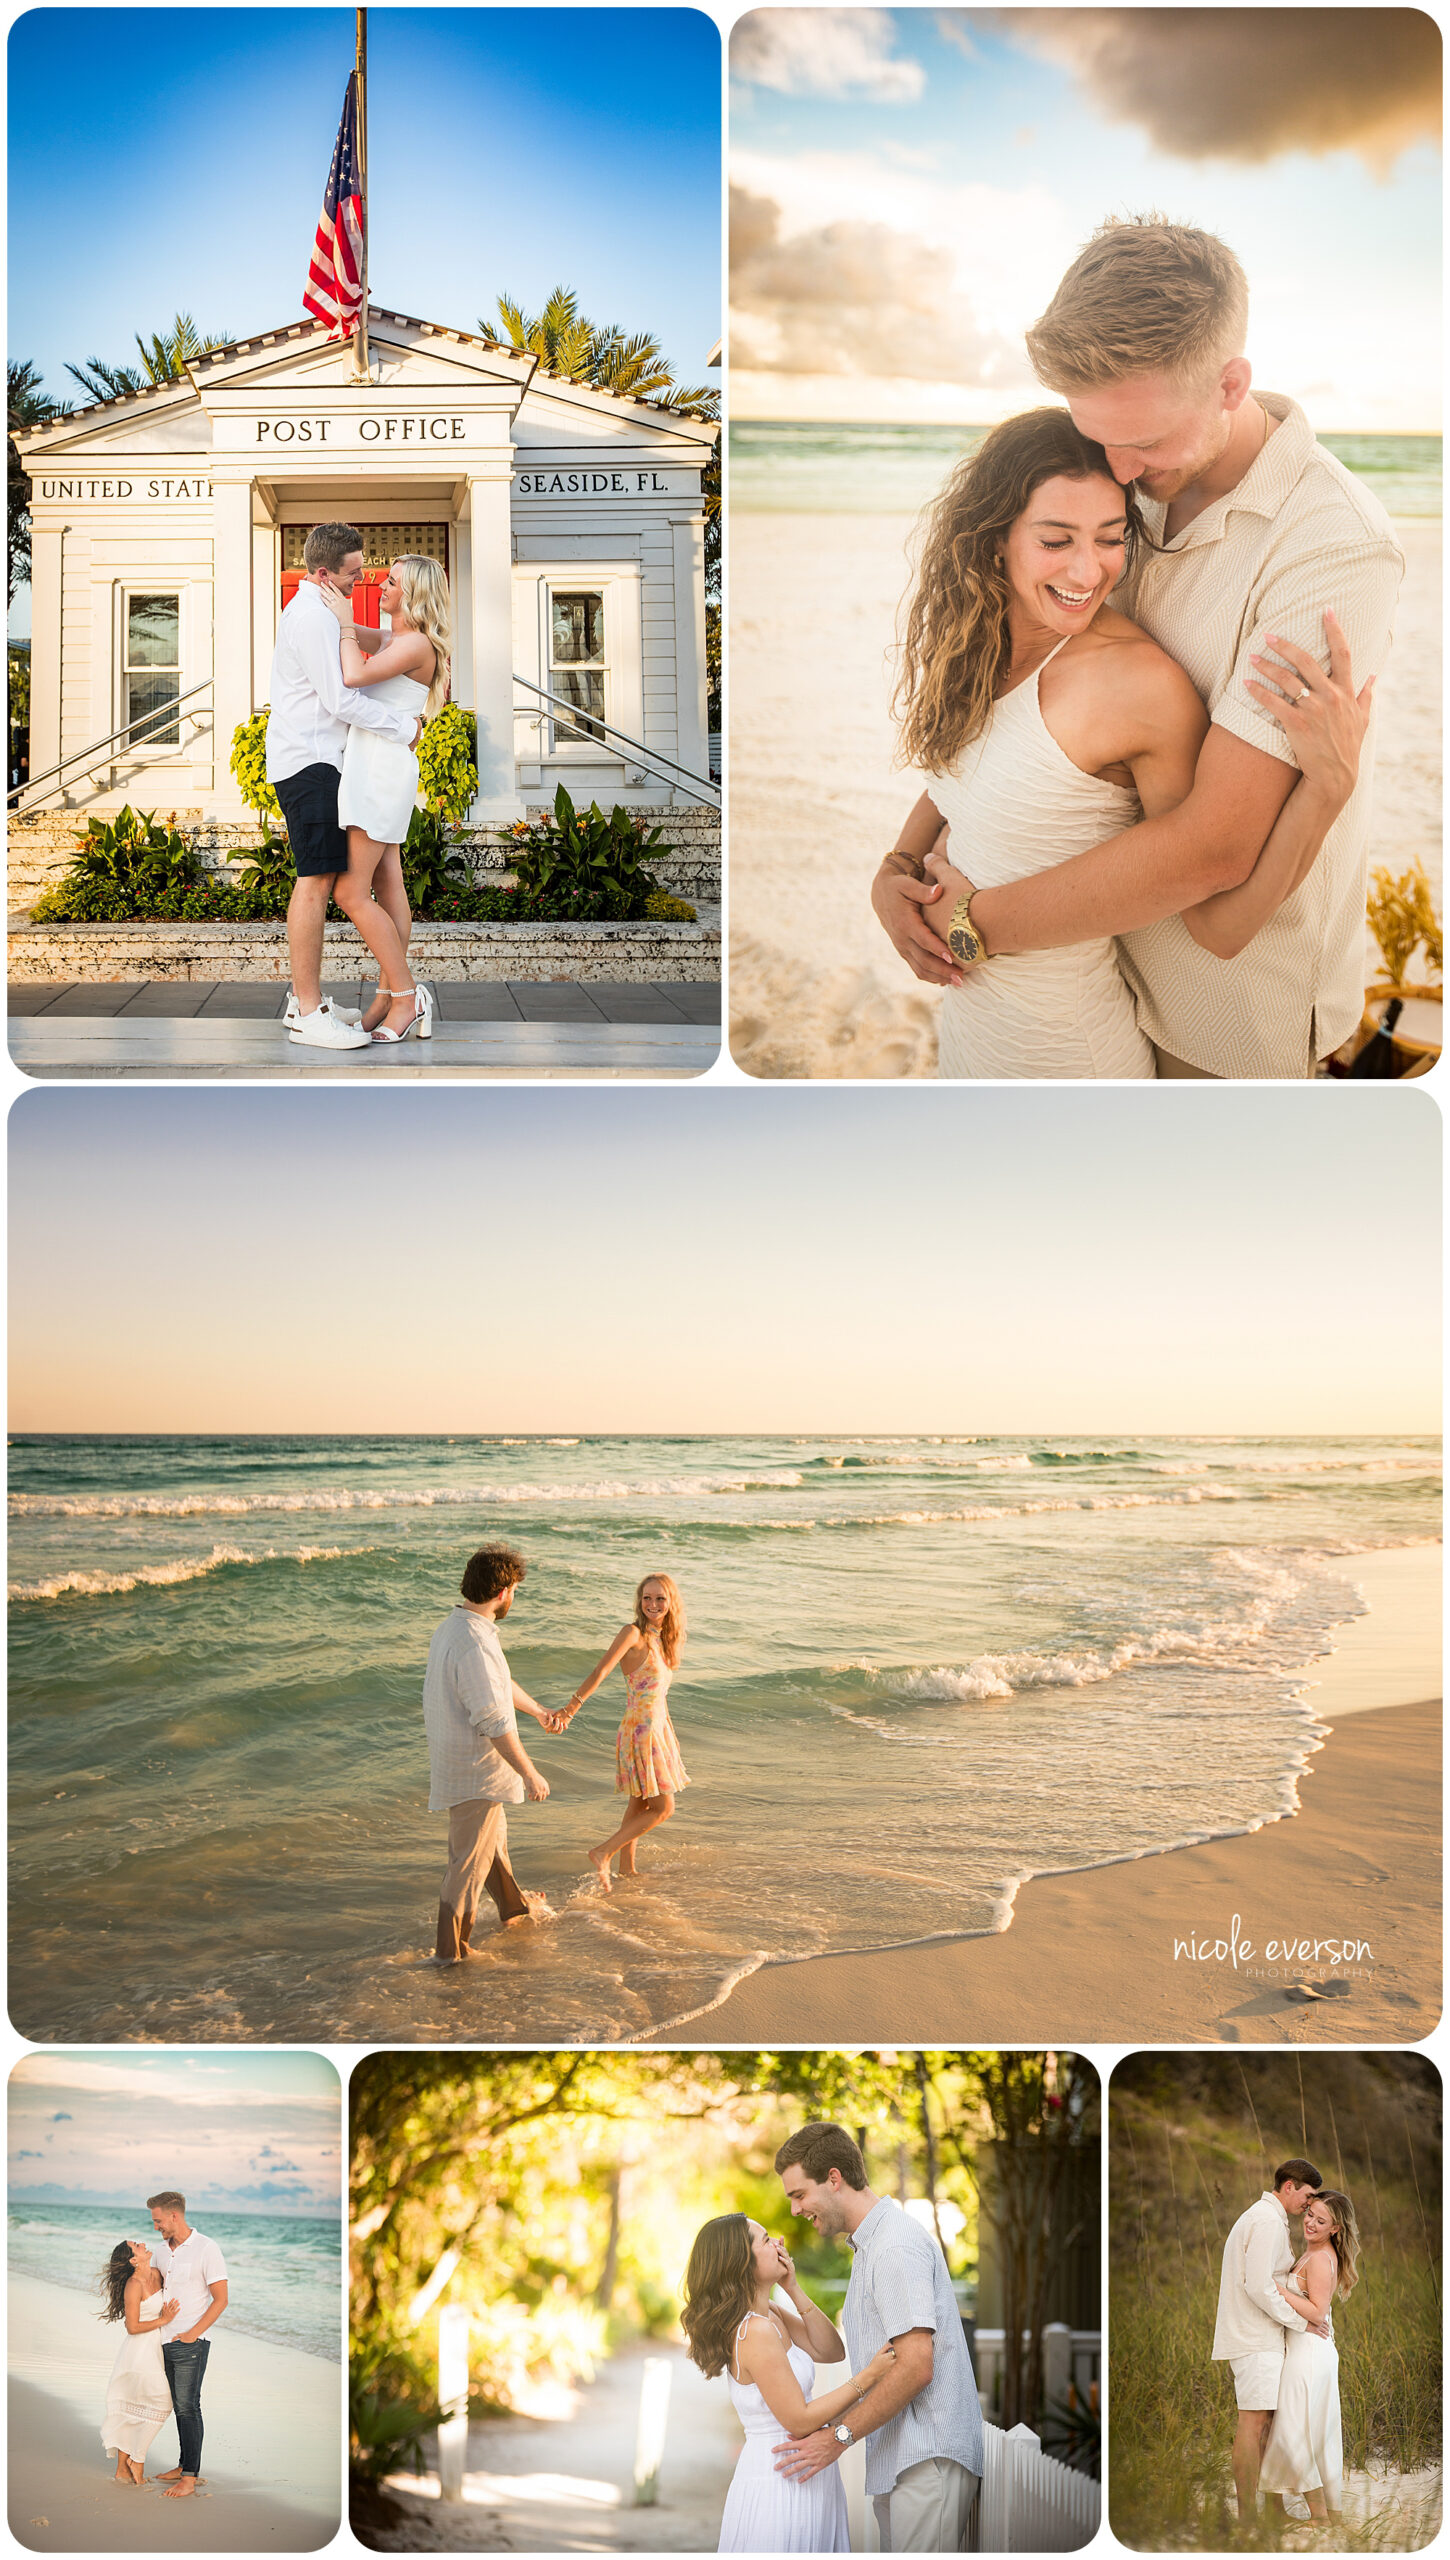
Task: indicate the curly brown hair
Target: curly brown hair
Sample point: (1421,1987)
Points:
(957,647)
(719,2290)
(114,2277)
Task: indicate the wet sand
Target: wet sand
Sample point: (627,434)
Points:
(272,2460)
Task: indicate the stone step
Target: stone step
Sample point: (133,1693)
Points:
(126,953)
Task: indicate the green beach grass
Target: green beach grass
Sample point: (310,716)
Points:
(1194,2138)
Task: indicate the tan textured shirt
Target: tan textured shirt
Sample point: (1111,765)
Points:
(1298,533)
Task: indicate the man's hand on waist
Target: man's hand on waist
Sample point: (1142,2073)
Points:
(900,900)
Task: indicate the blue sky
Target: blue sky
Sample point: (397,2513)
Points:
(253,2132)
(174,159)
(706,1259)
(988,152)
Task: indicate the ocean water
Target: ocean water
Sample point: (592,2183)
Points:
(284,2272)
(792,467)
(919,1671)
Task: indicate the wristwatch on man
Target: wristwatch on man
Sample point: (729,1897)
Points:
(842,2433)
(962,938)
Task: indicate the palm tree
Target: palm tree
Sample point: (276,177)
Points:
(164,360)
(27,405)
(603,358)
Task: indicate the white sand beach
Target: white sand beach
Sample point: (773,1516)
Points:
(815,988)
(1096,1954)
(272,2459)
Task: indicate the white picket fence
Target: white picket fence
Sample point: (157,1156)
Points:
(1029,2501)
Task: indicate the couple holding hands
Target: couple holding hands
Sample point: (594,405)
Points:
(471,1705)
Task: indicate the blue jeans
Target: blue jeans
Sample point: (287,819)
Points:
(186,2372)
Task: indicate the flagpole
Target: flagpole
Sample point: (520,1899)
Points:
(360,338)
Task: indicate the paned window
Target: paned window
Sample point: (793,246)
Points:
(577,663)
(152,675)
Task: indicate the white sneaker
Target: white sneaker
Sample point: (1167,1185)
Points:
(293,1014)
(326,1029)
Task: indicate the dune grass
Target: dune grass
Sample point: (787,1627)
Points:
(1184,2161)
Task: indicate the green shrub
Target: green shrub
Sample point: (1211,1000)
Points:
(267,877)
(569,856)
(448,762)
(661,908)
(121,866)
(249,765)
(431,865)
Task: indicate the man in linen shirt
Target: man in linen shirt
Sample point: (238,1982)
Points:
(1262,530)
(194,2274)
(470,1706)
(922,2424)
(307,724)
(1253,2316)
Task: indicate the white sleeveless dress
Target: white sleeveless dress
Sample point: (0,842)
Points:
(765,2511)
(138,2396)
(1016,803)
(1306,2447)
(379,787)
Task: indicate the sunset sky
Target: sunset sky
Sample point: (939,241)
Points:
(909,185)
(781,1258)
(238,2132)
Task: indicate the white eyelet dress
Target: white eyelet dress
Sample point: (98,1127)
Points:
(379,787)
(138,2396)
(764,2510)
(1016,803)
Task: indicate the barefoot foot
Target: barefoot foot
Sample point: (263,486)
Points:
(185,2487)
(599,1861)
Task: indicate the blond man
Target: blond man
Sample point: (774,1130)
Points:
(1258,532)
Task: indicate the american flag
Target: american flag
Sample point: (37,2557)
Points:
(334,279)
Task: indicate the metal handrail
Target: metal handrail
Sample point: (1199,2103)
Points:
(167,711)
(651,756)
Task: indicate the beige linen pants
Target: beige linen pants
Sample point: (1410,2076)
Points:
(478,1862)
(929,2509)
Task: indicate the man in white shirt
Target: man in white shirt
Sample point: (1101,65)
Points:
(1256,531)
(194,2274)
(307,724)
(1253,2316)
(471,1703)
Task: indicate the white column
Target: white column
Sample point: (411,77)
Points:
(47,548)
(691,699)
(491,562)
(231,521)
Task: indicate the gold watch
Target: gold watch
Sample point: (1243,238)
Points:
(962,938)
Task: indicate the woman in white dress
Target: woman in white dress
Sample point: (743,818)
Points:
(1304,2460)
(138,2397)
(768,2352)
(379,788)
(1049,722)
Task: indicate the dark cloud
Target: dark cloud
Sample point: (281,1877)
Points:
(1247,84)
(853,297)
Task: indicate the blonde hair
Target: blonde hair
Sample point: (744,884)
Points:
(1144,296)
(429,607)
(957,646)
(1344,2238)
(671,1630)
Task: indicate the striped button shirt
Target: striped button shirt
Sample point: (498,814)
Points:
(899,2281)
(1298,533)
(468,1695)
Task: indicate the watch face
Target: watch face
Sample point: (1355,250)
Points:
(963,944)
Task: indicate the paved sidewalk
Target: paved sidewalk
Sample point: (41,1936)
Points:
(514,1027)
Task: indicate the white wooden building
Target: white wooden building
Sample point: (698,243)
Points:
(168,529)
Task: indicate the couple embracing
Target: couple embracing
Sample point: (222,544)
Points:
(169,2292)
(911,2397)
(1129,676)
(347,711)
(1275,2329)
(471,1707)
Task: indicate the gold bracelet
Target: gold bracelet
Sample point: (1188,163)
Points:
(904,864)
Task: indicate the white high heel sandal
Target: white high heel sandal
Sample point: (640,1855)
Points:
(421,1019)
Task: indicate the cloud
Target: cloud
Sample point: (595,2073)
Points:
(854,298)
(824,53)
(1248,84)
(60,2117)
(30,2155)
